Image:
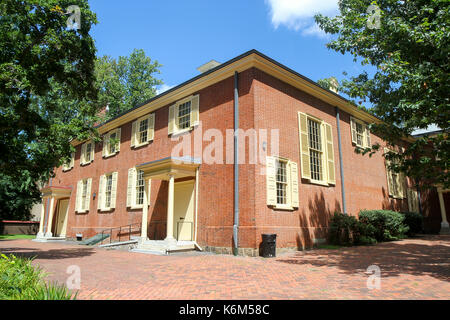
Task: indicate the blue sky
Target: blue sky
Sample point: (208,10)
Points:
(182,35)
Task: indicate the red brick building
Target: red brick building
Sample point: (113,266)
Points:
(287,179)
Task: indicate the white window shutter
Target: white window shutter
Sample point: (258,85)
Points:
(130,187)
(88,195)
(105,144)
(271,183)
(304,145)
(133,133)
(294,184)
(151,127)
(367,134)
(78,197)
(72,160)
(83,153)
(330,153)
(389,175)
(100,200)
(114,190)
(92,151)
(172,122)
(118,136)
(195,113)
(353,129)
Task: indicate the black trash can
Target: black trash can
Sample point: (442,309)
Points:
(269,245)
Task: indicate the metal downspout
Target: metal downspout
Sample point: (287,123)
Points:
(236,166)
(341,166)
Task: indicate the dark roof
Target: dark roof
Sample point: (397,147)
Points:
(253,51)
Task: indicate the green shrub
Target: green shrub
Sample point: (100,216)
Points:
(20,280)
(387,225)
(347,230)
(414,221)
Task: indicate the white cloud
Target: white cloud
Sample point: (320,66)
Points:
(163,88)
(299,14)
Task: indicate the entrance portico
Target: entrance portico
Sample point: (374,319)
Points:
(50,197)
(445,228)
(171,169)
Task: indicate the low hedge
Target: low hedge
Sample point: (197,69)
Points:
(372,226)
(347,230)
(388,225)
(414,221)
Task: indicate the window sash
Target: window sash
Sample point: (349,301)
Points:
(140,186)
(315,149)
(281,181)
(143,128)
(108,191)
(87,155)
(184,115)
(112,146)
(84,195)
(359,134)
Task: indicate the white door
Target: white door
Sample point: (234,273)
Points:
(183,223)
(61,225)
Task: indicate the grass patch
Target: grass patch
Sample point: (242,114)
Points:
(16,236)
(20,280)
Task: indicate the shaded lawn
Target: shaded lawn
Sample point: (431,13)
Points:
(16,236)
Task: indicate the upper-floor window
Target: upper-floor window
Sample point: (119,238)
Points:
(142,131)
(360,133)
(69,164)
(83,195)
(395,180)
(184,115)
(87,152)
(316,150)
(111,142)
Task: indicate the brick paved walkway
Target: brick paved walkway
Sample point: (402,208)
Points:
(410,269)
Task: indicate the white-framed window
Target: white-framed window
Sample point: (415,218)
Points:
(413,200)
(136,188)
(360,133)
(395,180)
(70,164)
(184,115)
(107,191)
(87,152)
(282,183)
(316,150)
(83,195)
(143,130)
(111,142)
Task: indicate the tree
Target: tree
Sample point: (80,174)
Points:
(408,44)
(127,82)
(47,90)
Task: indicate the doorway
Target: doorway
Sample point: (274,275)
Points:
(184,210)
(61,221)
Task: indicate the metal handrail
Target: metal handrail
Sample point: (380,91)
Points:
(110,231)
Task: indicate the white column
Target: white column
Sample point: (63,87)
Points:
(445,229)
(50,218)
(170,202)
(145,212)
(41,222)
